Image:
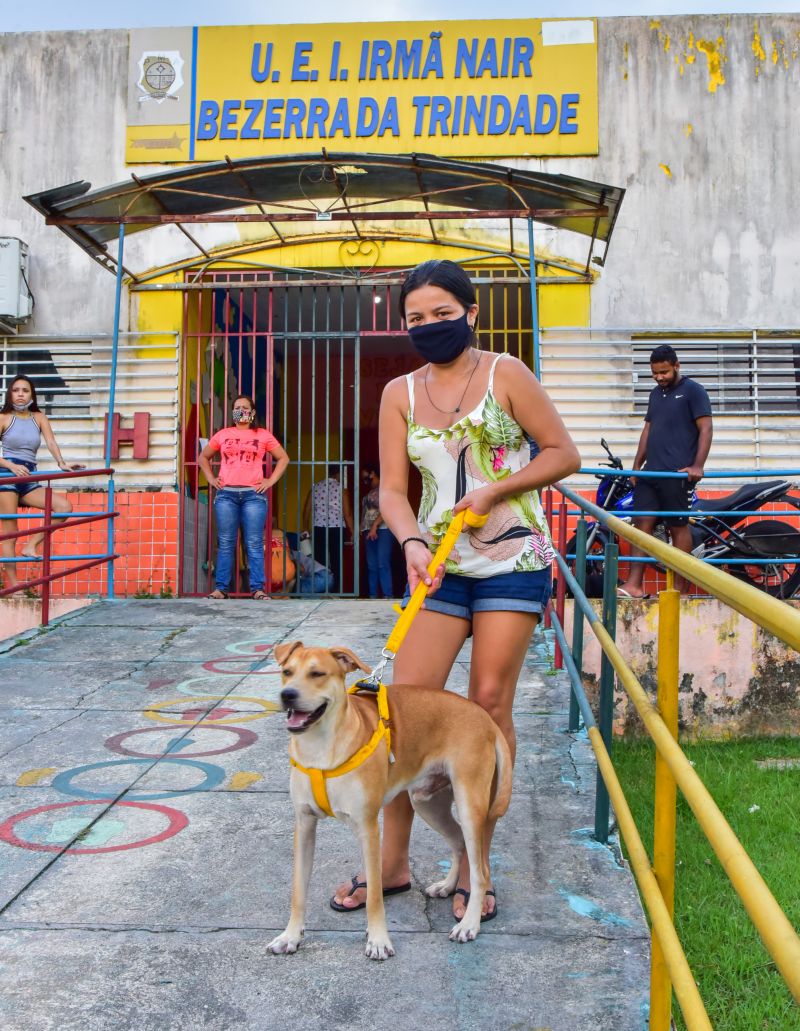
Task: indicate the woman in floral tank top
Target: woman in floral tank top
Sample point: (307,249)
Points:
(464,420)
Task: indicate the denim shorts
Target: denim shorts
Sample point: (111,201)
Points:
(21,488)
(462,596)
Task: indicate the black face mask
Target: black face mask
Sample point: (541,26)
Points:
(443,341)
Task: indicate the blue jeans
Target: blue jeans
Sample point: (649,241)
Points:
(234,509)
(379,563)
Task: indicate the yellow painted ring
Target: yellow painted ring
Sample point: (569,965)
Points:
(243,717)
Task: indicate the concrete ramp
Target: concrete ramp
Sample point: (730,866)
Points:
(146,840)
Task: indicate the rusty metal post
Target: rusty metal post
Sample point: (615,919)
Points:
(561,591)
(48,518)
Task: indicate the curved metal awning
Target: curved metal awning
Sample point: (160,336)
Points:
(357,189)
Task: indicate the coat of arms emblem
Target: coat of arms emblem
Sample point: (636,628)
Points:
(160,75)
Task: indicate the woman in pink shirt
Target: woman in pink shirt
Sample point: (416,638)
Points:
(241,486)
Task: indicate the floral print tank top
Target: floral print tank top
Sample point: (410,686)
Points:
(483,447)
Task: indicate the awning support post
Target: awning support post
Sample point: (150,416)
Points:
(534,303)
(111,394)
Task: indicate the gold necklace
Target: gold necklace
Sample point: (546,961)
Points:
(457,409)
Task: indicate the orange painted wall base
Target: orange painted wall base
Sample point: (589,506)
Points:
(145,538)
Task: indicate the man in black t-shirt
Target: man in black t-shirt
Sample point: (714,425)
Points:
(676,438)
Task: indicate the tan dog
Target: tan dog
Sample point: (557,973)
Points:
(445,748)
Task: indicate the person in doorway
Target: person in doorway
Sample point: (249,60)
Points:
(462,420)
(241,499)
(22,426)
(327,511)
(676,438)
(378,537)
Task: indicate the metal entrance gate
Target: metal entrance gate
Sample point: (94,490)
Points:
(314,353)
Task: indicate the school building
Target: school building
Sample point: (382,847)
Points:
(189,213)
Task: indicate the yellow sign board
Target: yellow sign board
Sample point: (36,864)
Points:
(459,89)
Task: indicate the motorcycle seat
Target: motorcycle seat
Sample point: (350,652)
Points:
(743,497)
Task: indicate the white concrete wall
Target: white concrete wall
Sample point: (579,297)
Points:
(717,243)
(714,243)
(62,119)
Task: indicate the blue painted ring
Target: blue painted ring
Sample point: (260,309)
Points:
(63,781)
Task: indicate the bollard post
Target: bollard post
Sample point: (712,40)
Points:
(48,518)
(548,514)
(110,539)
(561,590)
(577,621)
(669,612)
(606,701)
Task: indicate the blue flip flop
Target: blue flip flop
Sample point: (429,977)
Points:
(355,885)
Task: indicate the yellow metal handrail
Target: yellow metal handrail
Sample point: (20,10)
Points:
(770,613)
(672,766)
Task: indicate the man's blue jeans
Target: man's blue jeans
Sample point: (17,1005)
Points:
(234,509)
(379,563)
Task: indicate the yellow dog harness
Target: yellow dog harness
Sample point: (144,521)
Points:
(374,684)
(318,777)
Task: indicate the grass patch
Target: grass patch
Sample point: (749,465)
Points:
(739,983)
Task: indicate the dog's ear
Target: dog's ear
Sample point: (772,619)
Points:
(283,651)
(348,660)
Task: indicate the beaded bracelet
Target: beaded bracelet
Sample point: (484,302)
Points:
(420,539)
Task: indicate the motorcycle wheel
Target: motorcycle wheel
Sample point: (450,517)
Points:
(594,570)
(779,580)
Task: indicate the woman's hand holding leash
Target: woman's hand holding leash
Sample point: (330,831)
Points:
(430,576)
(479,502)
(418,562)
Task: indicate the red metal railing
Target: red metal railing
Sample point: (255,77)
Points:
(49,527)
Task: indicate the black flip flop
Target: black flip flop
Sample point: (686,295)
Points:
(355,884)
(485,917)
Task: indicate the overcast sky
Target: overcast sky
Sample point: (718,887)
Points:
(97,14)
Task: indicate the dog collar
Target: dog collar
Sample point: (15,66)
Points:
(382,731)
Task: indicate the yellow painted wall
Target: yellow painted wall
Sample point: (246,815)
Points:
(564,304)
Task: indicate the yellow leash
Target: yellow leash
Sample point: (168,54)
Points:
(447,544)
(374,684)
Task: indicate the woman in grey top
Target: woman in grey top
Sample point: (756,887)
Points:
(22,426)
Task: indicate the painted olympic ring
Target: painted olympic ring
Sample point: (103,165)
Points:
(270,708)
(259,649)
(254,671)
(189,686)
(245,739)
(63,782)
(177,821)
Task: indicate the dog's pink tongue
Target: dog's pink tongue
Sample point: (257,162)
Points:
(297,719)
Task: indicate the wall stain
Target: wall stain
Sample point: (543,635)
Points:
(688,130)
(774,687)
(728,628)
(758,49)
(715,59)
(699,704)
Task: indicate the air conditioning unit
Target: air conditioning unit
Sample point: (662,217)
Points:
(16,299)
